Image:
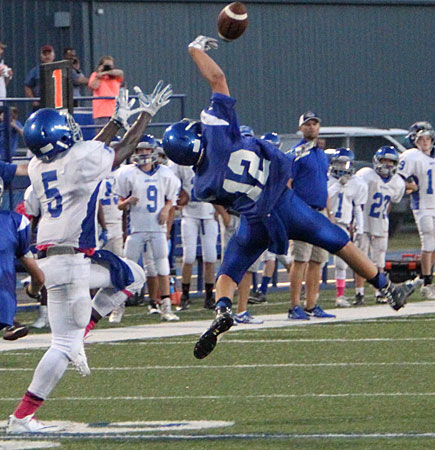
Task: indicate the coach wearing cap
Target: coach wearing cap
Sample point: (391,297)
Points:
(31,83)
(310,182)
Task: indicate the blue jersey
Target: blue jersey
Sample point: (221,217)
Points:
(7,172)
(310,174)
(246,174)
(14,243)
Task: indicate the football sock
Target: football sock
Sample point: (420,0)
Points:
(427,279)
(224,302)
(340,286)
(379,281)
(359,290)
(28,405)
(90,326)
(264,284)
(185,287)
(209,290)
(49,371)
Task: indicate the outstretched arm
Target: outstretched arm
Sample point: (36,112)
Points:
(149,105)
(207,66)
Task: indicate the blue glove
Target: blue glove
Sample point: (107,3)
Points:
(103,237)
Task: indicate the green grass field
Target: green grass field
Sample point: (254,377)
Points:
(358,385)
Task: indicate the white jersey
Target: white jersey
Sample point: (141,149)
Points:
(109,202)
(421,167)
(153,189)
(194,208)
(343,197)
(381,193)
(31,203)
(68,189)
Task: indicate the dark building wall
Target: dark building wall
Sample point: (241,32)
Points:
(355,63)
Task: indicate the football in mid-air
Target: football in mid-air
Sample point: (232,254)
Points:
(232,21)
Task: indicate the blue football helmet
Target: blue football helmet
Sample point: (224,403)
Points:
(382,169)
(272,138)
(342,164)
(418,127)
(182,142)
(246,130)
(2,187)
(49,132)
(147,142)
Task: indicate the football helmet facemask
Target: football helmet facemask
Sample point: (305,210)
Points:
(273,139)
(416,128)
(246,130)
(383,169)
(342,164)
(182,142)
(147,142)
(49,132)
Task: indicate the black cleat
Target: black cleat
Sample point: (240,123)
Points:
(208,340)
(15,332)
(359,300)
(209,303)
(397,294)
(256,298)
(184,303)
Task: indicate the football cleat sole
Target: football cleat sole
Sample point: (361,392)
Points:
(208,340)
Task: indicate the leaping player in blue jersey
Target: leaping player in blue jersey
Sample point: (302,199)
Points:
(251,176)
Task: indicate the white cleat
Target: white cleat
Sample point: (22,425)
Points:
(342,302)
(167,313)
(428,291)
(116,314)
(42,320)
(29,424)
(80,363)
(169,317)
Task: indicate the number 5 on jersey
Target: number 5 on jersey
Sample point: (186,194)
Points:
(52,193)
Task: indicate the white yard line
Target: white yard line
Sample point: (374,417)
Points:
(242,366)
(197,327)
(231,396)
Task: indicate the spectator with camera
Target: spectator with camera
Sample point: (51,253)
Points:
(105,82)
(79,79)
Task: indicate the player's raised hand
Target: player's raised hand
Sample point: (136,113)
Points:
(123,109)
(151,103)
(204,43)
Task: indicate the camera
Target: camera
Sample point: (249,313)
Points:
(107,67)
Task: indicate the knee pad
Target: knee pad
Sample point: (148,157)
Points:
(162,266)
(209,252)
(426,231)
(139,277)
(189,254)
(150,268)
(81,311)
(340,264)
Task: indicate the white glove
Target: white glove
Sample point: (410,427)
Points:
(151,103)
(204,43)
(123,109)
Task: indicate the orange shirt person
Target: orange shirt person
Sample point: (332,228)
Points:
(105,82)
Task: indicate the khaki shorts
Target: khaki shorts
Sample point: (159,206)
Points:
(304,252)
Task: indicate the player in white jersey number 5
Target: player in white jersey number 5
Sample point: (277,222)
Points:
(66,176)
